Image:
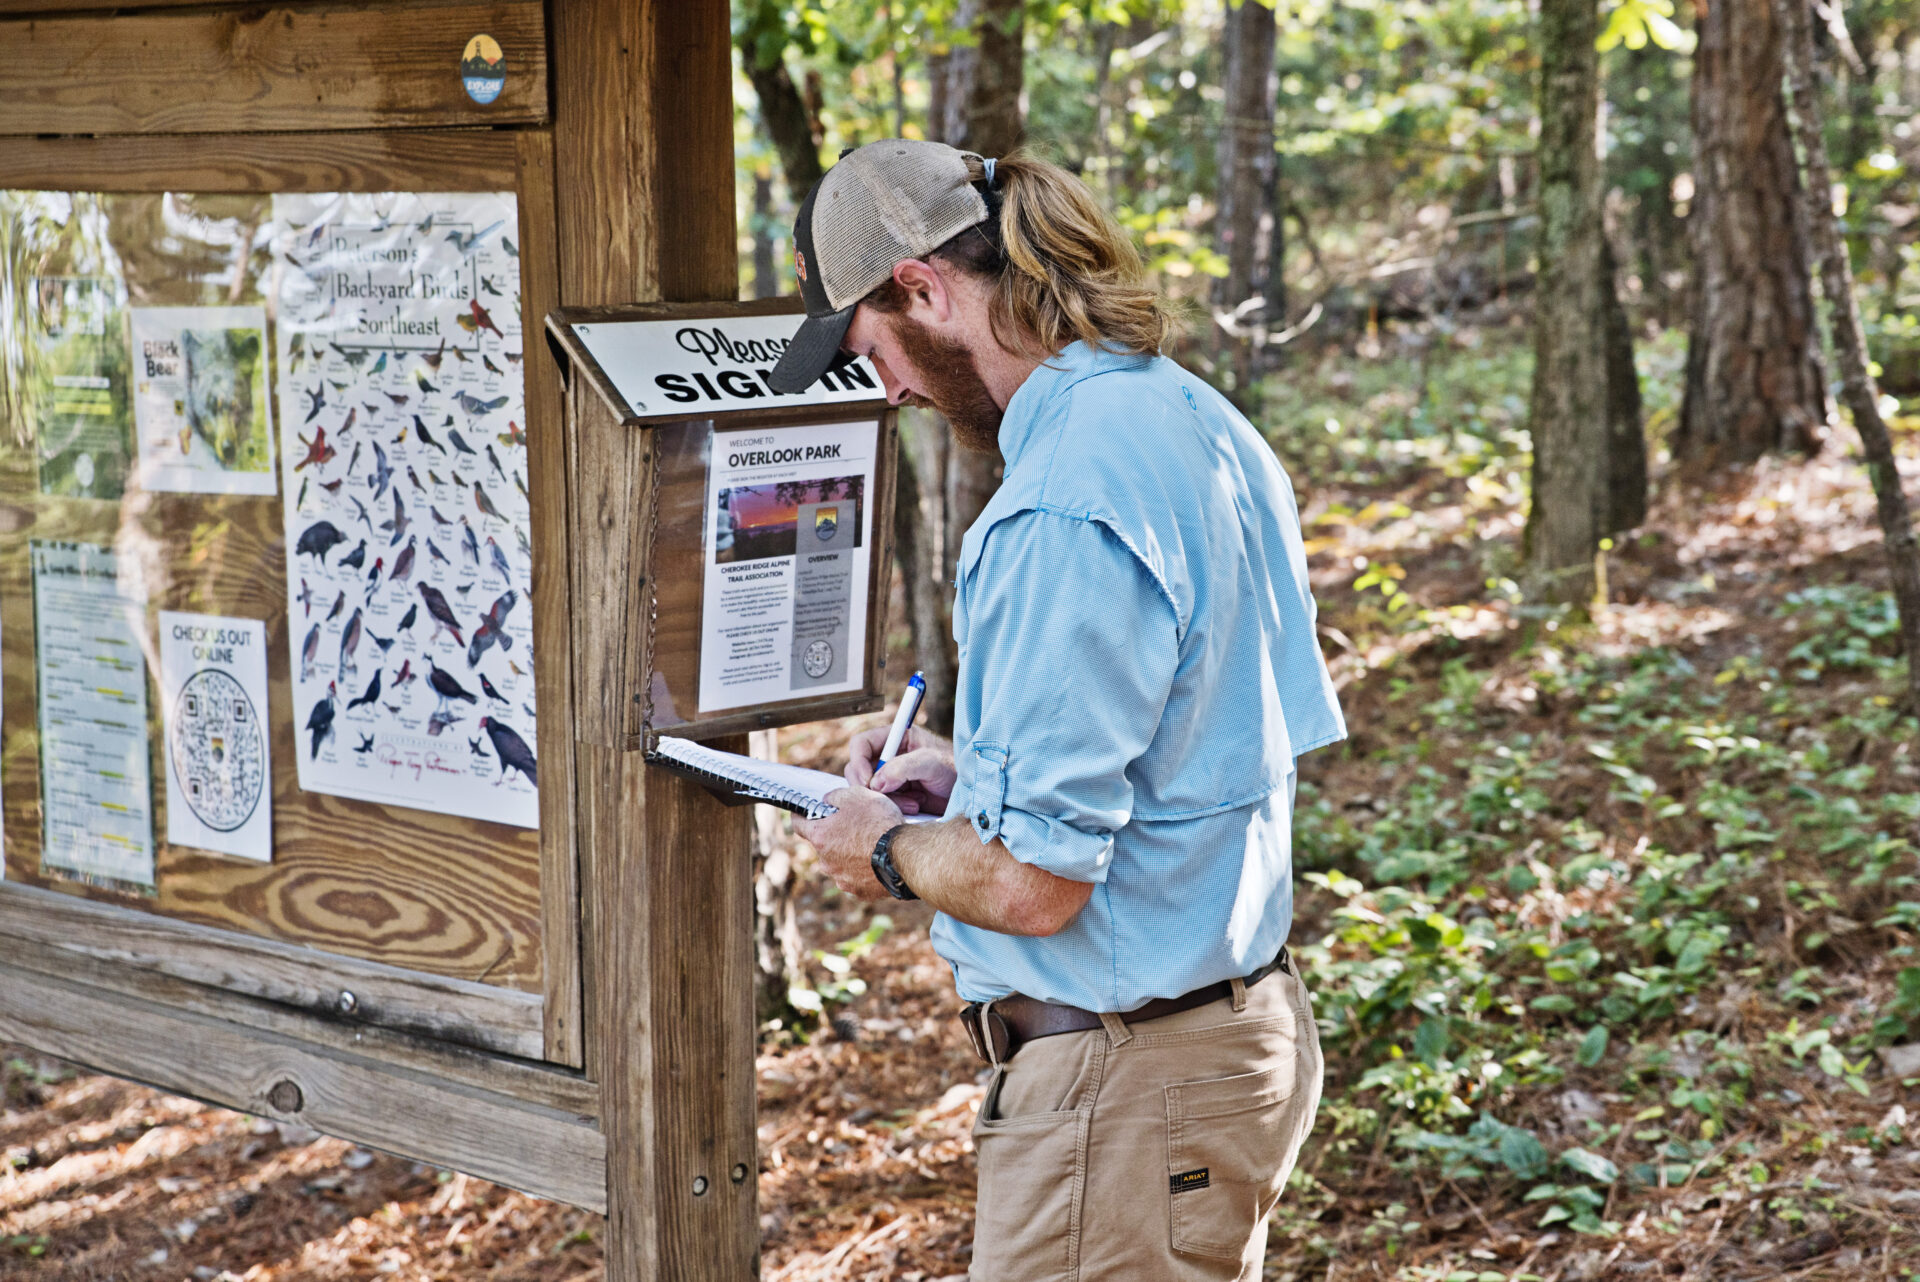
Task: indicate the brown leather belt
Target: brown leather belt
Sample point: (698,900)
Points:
(1014,1021)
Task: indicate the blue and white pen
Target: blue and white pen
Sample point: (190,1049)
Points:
(909,707)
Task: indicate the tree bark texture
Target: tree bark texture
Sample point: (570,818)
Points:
(1849,340)
(921,542)
(760,224)
(779,953)
(1626,435)
(1569,411)
(1754,382)
(1244,156)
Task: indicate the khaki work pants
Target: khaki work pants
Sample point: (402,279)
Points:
(1152,1152)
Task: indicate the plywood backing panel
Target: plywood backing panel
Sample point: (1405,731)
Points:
(255,69)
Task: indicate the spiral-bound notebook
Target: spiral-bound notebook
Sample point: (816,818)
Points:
(739,780)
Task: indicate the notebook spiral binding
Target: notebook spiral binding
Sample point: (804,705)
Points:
(744,787)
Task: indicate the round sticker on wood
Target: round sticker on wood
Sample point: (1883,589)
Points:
(483,69)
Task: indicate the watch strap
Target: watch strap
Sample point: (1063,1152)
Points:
(883,870)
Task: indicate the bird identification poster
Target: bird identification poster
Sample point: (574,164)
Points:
(404,470)
(89,628)
(213,690)
(788,555)
(201,414)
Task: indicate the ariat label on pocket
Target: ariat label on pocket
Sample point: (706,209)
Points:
(1187,1181)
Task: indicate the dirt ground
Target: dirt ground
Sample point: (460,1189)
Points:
(866,1167)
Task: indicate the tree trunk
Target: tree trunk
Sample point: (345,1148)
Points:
(1849,341)
(766,276)
(1569,413)
(921,503)
(790,123)
(1754,382)
(779,954)
(1244,159)
(985,78)
(1626,435)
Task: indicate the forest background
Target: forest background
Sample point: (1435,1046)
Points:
(1609,903)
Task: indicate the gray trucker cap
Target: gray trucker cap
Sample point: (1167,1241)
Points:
(881,205)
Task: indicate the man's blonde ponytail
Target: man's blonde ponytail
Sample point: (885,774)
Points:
(1069,272)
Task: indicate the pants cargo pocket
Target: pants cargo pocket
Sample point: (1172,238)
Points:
(1229,1143)
(1032,1173)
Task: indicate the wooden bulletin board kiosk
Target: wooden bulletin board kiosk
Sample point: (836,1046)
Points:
(340,594)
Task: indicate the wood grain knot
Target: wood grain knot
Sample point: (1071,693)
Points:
(285,1096)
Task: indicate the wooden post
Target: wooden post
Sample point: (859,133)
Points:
(643,143)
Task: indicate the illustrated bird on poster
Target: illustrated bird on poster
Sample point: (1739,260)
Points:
(414,478)
(485,504)
(521,485)
(513,250)
(333,486)
(406,620)
(398,398)
(372,695)
(320,720)
(467,244)
(437,554)
(487,285)
(373,575)
(301,501)
(420,429)
(424,226)
(434,477)
(513,357)
(357,557)
(382,473)
(478,751)
(475,408)
(385,643)
(318,539)
(318,451)
(447,687)
(353,460)
(433,511)
(515,668)
(405,675)
(337,385)
(305,599)
(511,749)
(399,523)
(403,564)
(316,400)
(481,318)
(467,323)
(379,366)
(360,513)
(356,357)
(346,424)
(469,544)
(527,708)
(432,359)
(491,368)
(370,408)
(440,720)
(459,356)
(296,352)
(349,644)
(366,745)
(462,590)
(498,559)
(440,612)
(339,604)
(493,626)
(494,460)
(520,536)
(514,435)
(487,687)
(420,379)
(309,651)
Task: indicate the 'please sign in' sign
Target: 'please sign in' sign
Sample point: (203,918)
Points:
(663,367)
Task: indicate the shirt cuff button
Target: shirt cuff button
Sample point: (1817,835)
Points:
(981,819)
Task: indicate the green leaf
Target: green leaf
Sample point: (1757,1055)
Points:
(1593,1047)
(1591,1165)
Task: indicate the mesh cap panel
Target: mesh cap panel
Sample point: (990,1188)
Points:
(886,202)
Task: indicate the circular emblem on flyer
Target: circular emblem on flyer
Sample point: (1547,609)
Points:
(483,69)
(83,471)
(219,752)
(826,522)
(817,659)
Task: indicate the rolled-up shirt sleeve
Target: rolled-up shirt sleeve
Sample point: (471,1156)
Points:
(1072,647)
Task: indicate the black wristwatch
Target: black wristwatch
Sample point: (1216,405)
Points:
(883,869)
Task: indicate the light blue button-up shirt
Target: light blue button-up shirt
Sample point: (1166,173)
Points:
(1138,671)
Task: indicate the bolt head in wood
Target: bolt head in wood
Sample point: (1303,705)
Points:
(699,1186)
(739,1172)
(348,1003)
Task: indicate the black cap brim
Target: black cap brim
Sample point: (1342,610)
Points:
(815,349)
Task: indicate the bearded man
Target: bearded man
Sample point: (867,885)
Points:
(1138,672)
